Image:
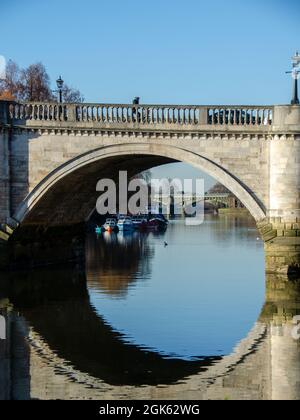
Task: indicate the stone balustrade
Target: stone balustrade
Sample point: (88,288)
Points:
(249,116)
(156,116)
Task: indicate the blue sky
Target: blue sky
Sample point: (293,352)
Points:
(165,51)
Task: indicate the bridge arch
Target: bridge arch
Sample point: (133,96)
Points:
(68,194)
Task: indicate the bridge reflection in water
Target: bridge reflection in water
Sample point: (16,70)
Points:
(60,347)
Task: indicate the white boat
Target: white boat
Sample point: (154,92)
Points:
(110,225)
(125,223)
(139,221)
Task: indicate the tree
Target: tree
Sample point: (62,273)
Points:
(71,95)
(10,86)
(5,95)
(32,84)
(144,176)
(218,188)
(35,84)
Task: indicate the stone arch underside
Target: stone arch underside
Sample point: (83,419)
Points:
(68,194)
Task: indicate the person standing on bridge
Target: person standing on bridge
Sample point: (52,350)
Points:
(135,112)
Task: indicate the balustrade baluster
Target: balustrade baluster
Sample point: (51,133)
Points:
(162,115)
(261,120)
(267,117)
(249,115)
(151,115)
(178,116)
(261,117)
(240,118)
(169,118)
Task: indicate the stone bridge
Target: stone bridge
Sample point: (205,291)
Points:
(52,155)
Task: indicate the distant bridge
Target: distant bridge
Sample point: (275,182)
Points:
(183,201)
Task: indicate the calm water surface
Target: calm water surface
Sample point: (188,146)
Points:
(145,320)
(197,297)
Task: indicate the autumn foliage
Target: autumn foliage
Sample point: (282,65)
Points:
(32,84)
(5,95)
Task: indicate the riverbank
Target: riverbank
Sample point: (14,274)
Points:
(234,211)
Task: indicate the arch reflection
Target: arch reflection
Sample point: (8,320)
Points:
(50,317)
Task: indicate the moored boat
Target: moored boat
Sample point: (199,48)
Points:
(125,223)
(99,230)
(158,222)
(110,225)
(139,222)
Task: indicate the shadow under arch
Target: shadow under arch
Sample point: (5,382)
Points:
(67,195)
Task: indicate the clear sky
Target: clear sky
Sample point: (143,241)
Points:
(165,51)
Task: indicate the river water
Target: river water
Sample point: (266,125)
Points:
(142,320)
